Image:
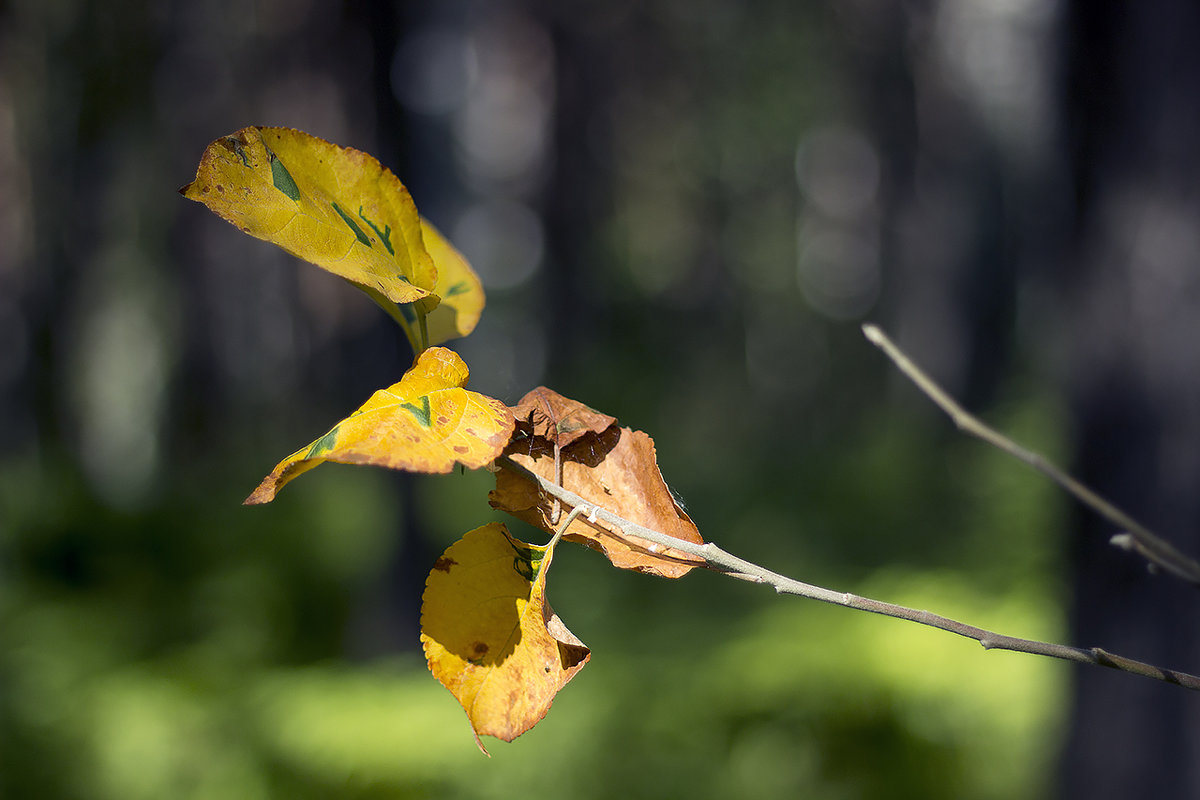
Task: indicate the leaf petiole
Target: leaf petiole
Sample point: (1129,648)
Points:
(423,328)
(404,315)
(566,523)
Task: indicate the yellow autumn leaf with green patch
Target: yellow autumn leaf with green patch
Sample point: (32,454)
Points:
(425,423)
(489,635)
(336,207)
(458,286)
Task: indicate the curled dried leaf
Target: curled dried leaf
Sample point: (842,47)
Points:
(546,413)
(615,468)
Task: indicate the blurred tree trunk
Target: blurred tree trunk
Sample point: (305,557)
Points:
(1133,285)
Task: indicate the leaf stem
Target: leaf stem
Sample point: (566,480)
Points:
(423,328)
(393,311)
(721,561)
(1139,539)
(566,523)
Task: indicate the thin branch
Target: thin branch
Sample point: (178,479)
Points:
(721,561)
(1139,539)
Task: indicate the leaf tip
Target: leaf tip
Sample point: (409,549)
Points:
(268,490)
(260,496)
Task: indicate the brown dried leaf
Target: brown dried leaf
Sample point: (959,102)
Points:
(546,413)
(617,470)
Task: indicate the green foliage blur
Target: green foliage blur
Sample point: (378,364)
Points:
(157,639)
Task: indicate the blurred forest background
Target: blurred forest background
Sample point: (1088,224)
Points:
(682,210)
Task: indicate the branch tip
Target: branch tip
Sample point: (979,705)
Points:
(1136,538)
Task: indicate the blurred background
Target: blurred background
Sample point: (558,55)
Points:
(682,211)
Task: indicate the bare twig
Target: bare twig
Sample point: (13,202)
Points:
(1139,539)
(720,561)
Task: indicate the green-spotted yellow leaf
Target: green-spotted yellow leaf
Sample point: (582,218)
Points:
(425,423)
(335,207)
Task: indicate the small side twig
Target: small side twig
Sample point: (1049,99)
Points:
(1138,539)
(721,561)
(558,475)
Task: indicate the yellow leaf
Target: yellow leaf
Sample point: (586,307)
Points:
(489,635)
(458,286)
(335,207)
(425,423)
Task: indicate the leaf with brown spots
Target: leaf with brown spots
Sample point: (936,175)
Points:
(615,468)
(489,635)
(425,423)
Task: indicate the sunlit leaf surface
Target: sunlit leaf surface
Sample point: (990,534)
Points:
(458,287)
(335,207)
(489,635)
(425,423)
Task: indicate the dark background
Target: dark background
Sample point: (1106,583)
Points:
(682,211)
